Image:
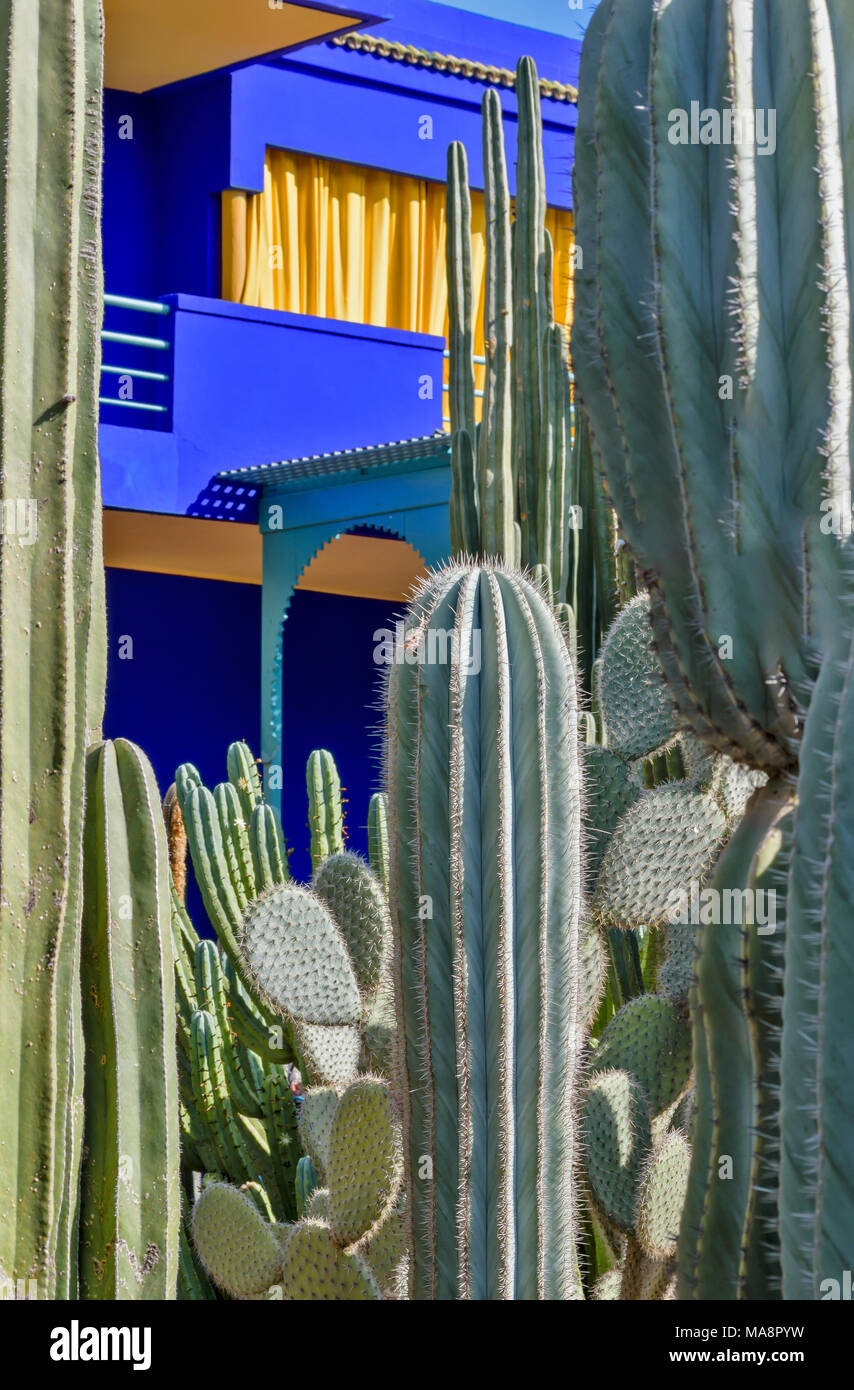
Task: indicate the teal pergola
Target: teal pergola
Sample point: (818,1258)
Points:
(399,490)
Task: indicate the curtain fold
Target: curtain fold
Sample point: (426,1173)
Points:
(340,241)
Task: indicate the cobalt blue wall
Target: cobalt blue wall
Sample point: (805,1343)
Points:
(254,386)
(192,140)
(192,686)
(331,699)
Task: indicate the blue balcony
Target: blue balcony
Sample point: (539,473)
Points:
(218,386)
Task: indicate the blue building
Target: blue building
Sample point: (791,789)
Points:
(272,423)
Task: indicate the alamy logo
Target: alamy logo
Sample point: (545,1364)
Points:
(711,907)
(433,646)
(734,125)
(76,1343)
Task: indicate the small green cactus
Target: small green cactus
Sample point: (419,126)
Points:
(325,812)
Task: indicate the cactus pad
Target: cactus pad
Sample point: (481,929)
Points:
(665,842)
(364,1160)
(636,705)
(236,1245)
(298,958)
(385,1252)
(617,1142)
(318,1112)
(662,1196)
(678,967)
(357,904)
(651,1040)
(611,790)
(314,1269)
(736,786)
(331,1053)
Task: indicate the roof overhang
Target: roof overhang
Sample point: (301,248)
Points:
(152,43)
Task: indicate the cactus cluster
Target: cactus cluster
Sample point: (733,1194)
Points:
(658,815)
(733,271)
(521,491)
(297,976)
(349,1242)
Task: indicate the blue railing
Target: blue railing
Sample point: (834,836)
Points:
(134,341)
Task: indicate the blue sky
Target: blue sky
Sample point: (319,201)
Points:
(567,17)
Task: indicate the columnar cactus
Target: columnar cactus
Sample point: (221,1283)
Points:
(715,289)
(325,812)
(694,318)
(130,1206)
(518,493)
(52,626)
(485,804)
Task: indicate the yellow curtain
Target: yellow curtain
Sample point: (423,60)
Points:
(345,242)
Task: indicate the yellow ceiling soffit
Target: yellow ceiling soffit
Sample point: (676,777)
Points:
(152,42)
(182,545)
(356,566)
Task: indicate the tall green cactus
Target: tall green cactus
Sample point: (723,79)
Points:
(518,491)
(130,1199)
(485,804)
(704,254)
(52,628)
(716,291)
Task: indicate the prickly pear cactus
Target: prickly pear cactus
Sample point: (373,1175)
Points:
(349,1242)
(660,809)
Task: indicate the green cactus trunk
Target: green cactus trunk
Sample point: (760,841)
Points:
(722,491)
(52,629)
(130,1207)
(517,492)
(484,787)
(817,1109)
(730,262)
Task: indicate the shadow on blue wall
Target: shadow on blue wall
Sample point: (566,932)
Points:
(331,698)
(192,684)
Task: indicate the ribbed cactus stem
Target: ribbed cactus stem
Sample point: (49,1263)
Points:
(378,838)
(817,1110)
(465,523)
(130,1207)
(532,313)
(52,626)
(325,814)
(484,789)
(496,488)
(716,1225)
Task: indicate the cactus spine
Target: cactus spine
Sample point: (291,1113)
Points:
(484,788)
(52,629)
(130,1198)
